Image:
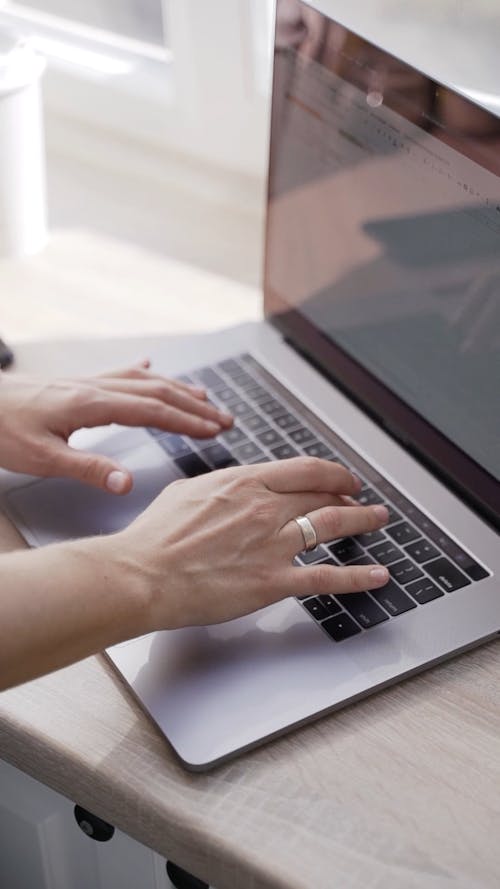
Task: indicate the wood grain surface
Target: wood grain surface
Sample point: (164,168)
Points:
(399,791)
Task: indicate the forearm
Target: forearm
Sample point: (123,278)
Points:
(62,603)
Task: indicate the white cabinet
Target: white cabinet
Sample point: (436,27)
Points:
(42,847)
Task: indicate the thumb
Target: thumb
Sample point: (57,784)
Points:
(92,469)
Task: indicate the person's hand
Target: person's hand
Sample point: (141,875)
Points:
(38,416)
(222,545)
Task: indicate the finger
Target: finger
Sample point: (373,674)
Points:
(168,392)
(307,474)
(324,579)
(91,469)
(130,410)
(293,505)
(140,371)
(332,522)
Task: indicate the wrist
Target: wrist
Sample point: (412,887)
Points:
(124,584)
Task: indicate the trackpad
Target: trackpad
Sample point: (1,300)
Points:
(58,509)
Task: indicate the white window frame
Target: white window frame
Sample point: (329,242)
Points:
(206,97)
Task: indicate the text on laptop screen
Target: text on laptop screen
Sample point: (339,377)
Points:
(384,223)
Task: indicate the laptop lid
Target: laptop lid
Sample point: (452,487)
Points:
(383,243)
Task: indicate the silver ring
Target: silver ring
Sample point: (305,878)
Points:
(308,532)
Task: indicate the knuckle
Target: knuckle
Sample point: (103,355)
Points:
(310,466)
(44,460)
(153,409)
(238,486)
(91,468)
(354,579)
(177,482)
(323,579)
(83,394)
(162,391)
(334,522)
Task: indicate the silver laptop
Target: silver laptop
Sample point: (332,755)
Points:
(380,349)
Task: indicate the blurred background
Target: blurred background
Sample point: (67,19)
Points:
(156,117)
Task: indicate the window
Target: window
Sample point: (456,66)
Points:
(138,19)
(186,75)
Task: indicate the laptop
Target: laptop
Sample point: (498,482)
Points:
(379,349)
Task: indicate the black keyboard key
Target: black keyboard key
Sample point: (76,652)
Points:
(345,550)
(257,393)
(174,445)
(387,489)
(386,552)
(370,537)
(368,496)
(209,378)
(247,451)
(458,555)
(270,437)
(424,590)
(403,533)
(429,529)
(155,432)
(422,522)
(313,555)
(330,604)
(394,515)
(249,361)
(340,627)
(230,367)
(301,435)
(318,449)
(219,456)
(235,435)
(192,465)
(226,394)
(286,421)
(284,451)
(421,551)
(271,407)
(254,422)
(242,379)
(363,609)
(446,574)
(393,599)
(363,560)
(200,443)
(315,608)
(475,571)
(404,571)
(239,408)
(397,498)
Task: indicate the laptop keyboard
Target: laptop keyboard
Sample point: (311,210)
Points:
(424,563)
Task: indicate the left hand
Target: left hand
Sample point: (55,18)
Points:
(37,417)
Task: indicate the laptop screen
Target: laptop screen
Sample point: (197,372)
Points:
(383,241)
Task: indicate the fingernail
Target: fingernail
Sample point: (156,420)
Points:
(379,575)
(381,512)
(116,481)
(198,390)
(225,417)
(214,428)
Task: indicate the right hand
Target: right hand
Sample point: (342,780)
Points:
(222,545)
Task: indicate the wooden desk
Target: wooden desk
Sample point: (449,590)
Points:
(399,791)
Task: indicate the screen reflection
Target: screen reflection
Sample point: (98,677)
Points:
(384,223)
